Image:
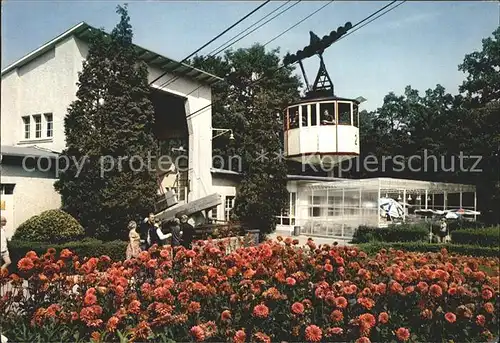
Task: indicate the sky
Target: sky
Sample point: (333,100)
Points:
(419,43)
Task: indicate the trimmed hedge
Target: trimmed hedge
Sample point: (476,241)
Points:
(54,226)
(470,250)
(86,248)
(485,237)
(393,233)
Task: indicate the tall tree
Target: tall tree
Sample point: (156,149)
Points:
(481,91)
(253,111)
(112,118)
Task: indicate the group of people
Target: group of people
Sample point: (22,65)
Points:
(151,232)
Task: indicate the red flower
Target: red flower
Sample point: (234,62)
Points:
(341,302)
(403,334)
(239,337)
(25,264)
(487,294)
(261,311)
(335,331)
(65,253)
(336,316)
(488,307)
(291,281)
(194,307)
(436,291)
(298,308)
(262,337)
(363,340)
(313,333)
(383,318)
(112,323)
(226,315)
(450,317)
(90,298)
(328,267)
(480,320)
(134,307)
(198,333)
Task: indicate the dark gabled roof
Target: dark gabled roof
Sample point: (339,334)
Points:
(31,151)
(83,30)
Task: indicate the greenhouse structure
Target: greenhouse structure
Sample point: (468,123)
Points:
(338,208)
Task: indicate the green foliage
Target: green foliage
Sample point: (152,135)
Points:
(52,226)
(486,237)
(393,233)
(252,113)
(85,248)
(468,250)
(121,126)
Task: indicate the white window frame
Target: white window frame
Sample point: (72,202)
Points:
(26,127)
(228,207)
(49,124)
(288,216)
(37,118)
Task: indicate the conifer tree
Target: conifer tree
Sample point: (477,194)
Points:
(111,118)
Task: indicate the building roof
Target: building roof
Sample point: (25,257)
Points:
(289,177)
(386,184)
(83,30)
(32,151)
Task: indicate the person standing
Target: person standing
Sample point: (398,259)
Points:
(134,245)
(176,233)
(187,232)
(146,226)
(443,230)
(4,248)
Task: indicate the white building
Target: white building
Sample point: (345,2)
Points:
(38,88)
(36,92)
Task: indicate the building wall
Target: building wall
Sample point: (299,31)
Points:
(48,85)
(225,186)
(33,193)
(199,128)
(45,85)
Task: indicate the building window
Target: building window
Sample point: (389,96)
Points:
(314,120)
(327,114)
(314,206)
(355,115)
(7,188)
(293,117)
(49,124)
(38,125)
(228,206)
(26,125)
(287,216)
(305,115)
(344,113)
(213,213)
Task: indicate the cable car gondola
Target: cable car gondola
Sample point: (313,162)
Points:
(321,128)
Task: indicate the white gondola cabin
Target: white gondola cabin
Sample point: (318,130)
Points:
(322,130)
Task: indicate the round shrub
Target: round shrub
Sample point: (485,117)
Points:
(52,226)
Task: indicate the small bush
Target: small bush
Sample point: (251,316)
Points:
(85,248)
(393,233)
(466,250)
(483,237)
(52,226)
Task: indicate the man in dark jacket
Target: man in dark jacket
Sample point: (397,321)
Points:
(176,233)
(146,227)
(187,232)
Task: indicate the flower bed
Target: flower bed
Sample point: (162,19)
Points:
(272,292)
